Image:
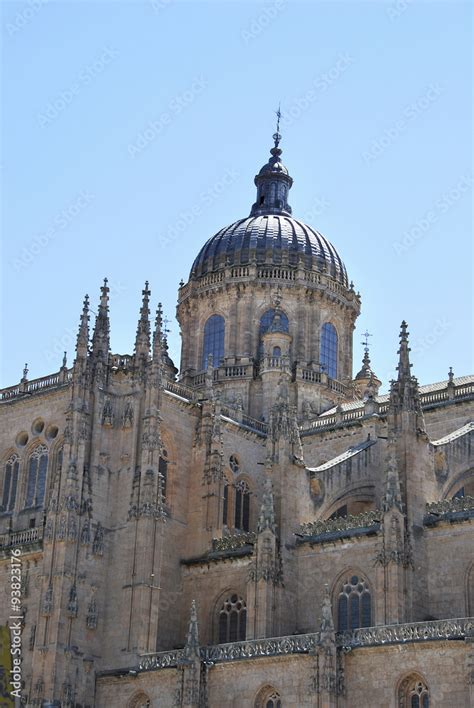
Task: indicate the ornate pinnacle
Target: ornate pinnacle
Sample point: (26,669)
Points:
(25,374)
(191,650)
(82,342)
(404,365)
(266,520)
(100,338)
(142,340)
(393,495)
(158,333)
(327,621)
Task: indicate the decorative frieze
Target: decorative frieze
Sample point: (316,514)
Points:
(231,543)
(367,519)
(450,506)
(411,632)
(309,643)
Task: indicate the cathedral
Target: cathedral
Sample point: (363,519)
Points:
(260,529)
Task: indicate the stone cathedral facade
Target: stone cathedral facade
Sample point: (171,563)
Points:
(261,530)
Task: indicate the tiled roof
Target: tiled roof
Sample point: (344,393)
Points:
(269,239)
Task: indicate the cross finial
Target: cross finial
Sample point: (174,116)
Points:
(365,341)
(277,135)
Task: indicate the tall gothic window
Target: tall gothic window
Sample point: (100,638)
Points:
(10,483)
(266,322)
(214,331)
(354,604)
(242,506)
(328,352)
(232,620)
(413,693)
(163,470)
(36,480)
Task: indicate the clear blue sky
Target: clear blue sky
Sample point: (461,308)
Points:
(131,132)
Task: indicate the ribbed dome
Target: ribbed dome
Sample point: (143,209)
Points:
(269,239)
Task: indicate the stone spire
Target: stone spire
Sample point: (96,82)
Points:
(158,333)
(404,392)
(82,341)
(404,365)
(142,340)
(273,182)
(100,337)
(266,520)
(191,649)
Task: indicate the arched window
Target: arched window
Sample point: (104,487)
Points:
(268,698)
(413,693)
(36,481)
(242,506)
(232,620)
(354,604)
(214,331)
(328,350)
(163,470)
(10,483)
(276,352)
(267,321)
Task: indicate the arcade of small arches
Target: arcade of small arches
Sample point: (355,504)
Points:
(412,691)
(213,341)
(27,469)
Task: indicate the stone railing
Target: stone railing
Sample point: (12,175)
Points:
(456,509)
(436,630)
(232,543)
(121,362)
(61,378)
(26,537)
(329,421)
(160,660)
(411,632)
(254,648)
(180,390)
(276,273)
(254,424)
(342,525)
